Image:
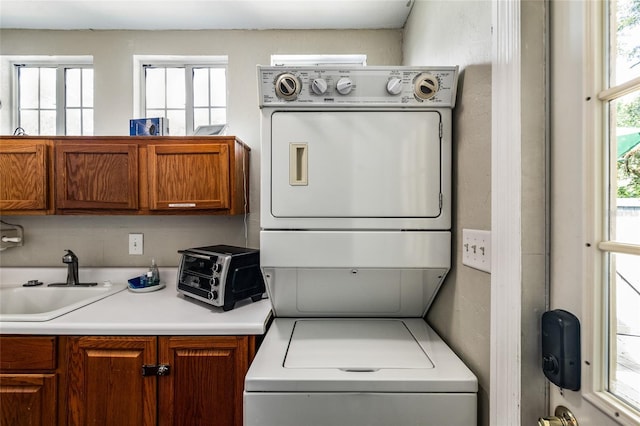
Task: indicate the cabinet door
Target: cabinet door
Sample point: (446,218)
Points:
(96,176)
(188,176)
(28,399)
(206,382)
(24,175)
(105,382)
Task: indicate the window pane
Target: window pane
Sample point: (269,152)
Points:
(218,87)
(625,24)
(200,117)
(175,88)
(47,122)
(201,87)
(177,122)
(73,125)
(48,88)
(87,121)
(72,87)
(28,82)
(218,115)
(87,87)
(624,377)
(29,122)
(154,88)
(625,140)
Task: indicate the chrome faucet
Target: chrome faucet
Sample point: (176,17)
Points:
(71,260)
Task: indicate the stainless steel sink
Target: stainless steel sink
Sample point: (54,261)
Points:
(46,303)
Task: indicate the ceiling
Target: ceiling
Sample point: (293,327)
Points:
(203,14)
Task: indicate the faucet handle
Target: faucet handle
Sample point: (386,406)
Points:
(69,257)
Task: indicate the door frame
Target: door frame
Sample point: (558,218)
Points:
(506,216)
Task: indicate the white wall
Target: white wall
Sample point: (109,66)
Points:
(102,241)
(459,33)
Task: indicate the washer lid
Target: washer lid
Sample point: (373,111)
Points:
(354,345)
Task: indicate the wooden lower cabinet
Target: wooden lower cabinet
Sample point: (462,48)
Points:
(204,384)
(28,381)
(28,399)
(105,382)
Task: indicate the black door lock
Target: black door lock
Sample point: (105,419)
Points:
(561,349)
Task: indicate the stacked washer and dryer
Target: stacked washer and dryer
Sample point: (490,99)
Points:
(355,242)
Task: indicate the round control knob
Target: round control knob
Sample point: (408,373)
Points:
(215,281)
(394,86)
(426,86)
(344,86)
(216,267)
(287,86)
(319,86)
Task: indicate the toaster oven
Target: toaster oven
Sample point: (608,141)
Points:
(220,275)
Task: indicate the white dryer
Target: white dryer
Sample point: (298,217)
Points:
(355,243)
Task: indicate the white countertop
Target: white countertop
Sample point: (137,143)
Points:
(162,312)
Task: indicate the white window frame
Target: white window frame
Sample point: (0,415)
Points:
(596,133)
(60,63)
(164,61)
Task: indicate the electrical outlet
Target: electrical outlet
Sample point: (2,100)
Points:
(136,244)
(476,249)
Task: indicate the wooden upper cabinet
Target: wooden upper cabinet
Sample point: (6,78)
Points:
(124,175)
(24,175)
(96,176)
(189,176)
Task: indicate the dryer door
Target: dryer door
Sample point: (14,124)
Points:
(356,164)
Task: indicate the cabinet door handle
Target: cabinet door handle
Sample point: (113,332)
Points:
(156,370)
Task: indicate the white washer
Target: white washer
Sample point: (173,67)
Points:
(355,243)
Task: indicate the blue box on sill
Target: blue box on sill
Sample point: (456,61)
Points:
(157,126)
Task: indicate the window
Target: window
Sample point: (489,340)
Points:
(54,98)
(620,207)
(189,94)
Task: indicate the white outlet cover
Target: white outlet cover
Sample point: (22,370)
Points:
(476,249)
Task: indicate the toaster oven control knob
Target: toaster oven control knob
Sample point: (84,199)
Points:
(426,86)
(215,281)
(319,86)
(287,87)
(344,86)
(394,86)
(212,295)
(217,267)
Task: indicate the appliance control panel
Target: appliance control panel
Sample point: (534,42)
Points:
(304,86)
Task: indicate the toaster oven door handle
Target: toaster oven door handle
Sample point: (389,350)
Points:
(199,256)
